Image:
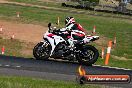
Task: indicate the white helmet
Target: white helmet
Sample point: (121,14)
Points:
(69,20)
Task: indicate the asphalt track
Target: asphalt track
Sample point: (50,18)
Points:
(54,70)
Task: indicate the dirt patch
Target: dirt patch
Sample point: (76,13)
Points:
(25,32)
(102,42)
(30,34)
(2,0)
(53,1)
(27,50)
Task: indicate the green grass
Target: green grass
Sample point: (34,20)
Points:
(15,47)
(106,27)
(115,63)
(12,47)
(23,82)
(38,2)
(58,5)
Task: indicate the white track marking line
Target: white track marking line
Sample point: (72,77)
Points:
(112,67)
(7,65)
(18,66)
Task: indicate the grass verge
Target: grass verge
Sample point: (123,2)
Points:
(12,47)
(23,82)
(16,47)
(116,63)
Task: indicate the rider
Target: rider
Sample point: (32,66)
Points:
(72,25)
(78,33)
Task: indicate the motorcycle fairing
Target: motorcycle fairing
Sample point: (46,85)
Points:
(54,41)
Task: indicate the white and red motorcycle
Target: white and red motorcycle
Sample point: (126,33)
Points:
(67,45)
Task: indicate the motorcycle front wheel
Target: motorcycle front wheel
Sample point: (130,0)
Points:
(42,51)
(88,56)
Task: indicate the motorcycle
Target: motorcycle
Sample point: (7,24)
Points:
(67,45)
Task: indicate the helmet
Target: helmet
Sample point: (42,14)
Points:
(69,20)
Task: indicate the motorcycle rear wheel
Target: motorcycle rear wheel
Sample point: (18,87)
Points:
(89,55)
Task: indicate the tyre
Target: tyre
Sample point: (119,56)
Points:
(42,50)
(89,55)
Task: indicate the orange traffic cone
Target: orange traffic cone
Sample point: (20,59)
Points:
(18,14)
(108,52)
(13,36)
(102,55)
(1,29)
(94,30)
(114,42)
(58,21)
(3,50)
